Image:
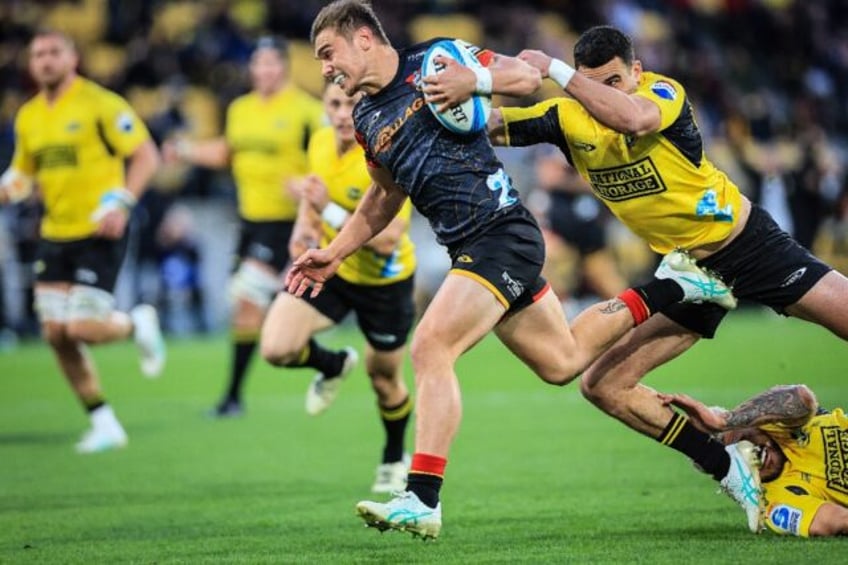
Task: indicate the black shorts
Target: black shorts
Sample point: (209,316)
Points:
(93,261)
(507,258)
(385,314)
(267,242)
(578,220)
(762,265)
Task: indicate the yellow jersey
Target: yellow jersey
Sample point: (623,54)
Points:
(75,149)
(347,180)
(816,472)
(268,140)
(661,185)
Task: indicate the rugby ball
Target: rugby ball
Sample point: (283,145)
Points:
(470,116)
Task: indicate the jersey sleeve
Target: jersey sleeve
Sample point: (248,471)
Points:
(122,129)
(539,123)
(790,506)
(666,93)
(22,160)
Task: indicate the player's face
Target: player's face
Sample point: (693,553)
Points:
(266,71)
(342,60)
(616,74)
(51,60)
(339,109)
(772,458)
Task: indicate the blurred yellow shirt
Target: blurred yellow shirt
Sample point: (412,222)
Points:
(268,139)
(347,180)
(75,149)
(661,185)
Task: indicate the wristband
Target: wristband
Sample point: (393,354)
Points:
(18,185)
(560,72)
(484,80)
(334,215)
(183,149)
(115,199)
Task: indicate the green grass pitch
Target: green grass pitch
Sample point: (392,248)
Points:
(536,474)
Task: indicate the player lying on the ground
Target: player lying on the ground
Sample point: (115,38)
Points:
(803,455)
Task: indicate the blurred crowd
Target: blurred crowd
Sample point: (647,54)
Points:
(768,79)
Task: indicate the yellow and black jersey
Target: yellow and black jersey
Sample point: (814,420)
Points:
(75,149)
(347,180)
(816,472)
(661,185)
(268,139)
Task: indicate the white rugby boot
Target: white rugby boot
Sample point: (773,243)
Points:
(405,512)
(698,284)
(106,433)
(742,482)
(322,392)
(148,338)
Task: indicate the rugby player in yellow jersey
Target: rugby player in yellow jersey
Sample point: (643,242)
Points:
(632,135)
(803,451)
(71,141)
(376,282)
(267,131)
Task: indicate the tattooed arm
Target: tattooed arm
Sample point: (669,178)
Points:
(790,405)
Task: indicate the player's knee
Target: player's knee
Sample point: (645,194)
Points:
(277,354)
(86,331)
(54,333)
(255,285)
(558,375)
(429,355)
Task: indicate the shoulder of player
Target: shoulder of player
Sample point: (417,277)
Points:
(322,136)
(660,85)
(90,90)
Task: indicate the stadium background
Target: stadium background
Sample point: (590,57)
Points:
(537,475)
(768,78)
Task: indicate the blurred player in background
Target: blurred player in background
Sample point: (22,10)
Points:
(495,244)
(376,283)
(632,136)
(267,132)
(71,141)
(803,450)
(574,216)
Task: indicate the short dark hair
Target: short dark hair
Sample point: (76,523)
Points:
(346,16)
(278,44)
(600,45)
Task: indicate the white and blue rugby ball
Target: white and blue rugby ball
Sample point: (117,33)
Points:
(470,116)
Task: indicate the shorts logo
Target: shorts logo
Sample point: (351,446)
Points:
(514,287)
(836,458)
(261,252)
(464,259)
(785,518)
(664,90)
(629,181)
(794,277)
(382,338)
(86,276)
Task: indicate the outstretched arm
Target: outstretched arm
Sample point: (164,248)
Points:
(509,76)
(376,209)
(616,109)
(790,405)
